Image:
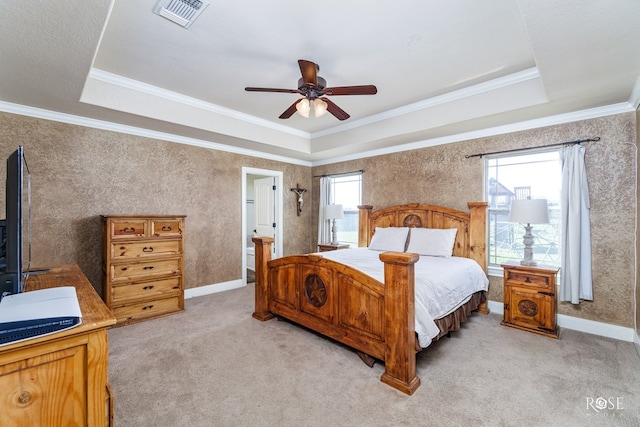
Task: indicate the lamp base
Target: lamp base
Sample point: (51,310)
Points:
(334,232)
(527,239)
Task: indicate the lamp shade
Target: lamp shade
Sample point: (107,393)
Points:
(529,211)
(303,107)
(333,212)
(319,107)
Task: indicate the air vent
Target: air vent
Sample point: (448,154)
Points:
(182,12)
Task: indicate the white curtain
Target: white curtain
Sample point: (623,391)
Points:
(576,283)
(324,228)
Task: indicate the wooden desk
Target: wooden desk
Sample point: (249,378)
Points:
(60,379)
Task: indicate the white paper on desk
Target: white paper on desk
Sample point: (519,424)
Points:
(35,313)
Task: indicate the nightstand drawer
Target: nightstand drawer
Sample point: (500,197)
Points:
(528,279)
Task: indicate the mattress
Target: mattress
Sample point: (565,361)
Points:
(441,284)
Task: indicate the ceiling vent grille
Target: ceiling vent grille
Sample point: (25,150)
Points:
(182,12)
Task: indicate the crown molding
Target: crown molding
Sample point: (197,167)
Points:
(467,92)
(634,99)
(55,116)
(147,89)
(620,108)
(592,113)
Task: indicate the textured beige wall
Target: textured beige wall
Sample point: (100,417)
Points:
(80,173)
(442,175)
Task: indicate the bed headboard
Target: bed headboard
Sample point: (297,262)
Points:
(472,226)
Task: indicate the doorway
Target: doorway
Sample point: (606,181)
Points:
(261,212)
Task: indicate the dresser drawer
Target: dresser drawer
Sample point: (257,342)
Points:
(145,290)
(146,309)
(150,268)
(124,250)
(166,227)
(128,228)
(528,279)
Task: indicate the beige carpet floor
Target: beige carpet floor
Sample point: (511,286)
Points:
(214,365)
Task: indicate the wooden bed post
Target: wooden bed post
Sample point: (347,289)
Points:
(363,225)
(399,321)
(263,256)
(478,240)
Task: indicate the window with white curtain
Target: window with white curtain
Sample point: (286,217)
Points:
(535,175)
(346,190)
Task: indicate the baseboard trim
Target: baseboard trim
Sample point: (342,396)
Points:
(212,289)
(584,325)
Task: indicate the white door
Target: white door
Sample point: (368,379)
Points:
(264,191)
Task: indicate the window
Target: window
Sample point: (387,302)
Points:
(532,175)
(346,190)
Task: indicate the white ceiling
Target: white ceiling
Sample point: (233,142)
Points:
(441,68)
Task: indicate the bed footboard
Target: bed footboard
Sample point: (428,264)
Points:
(346,305)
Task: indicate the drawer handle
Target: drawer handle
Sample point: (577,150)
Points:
(527,280)
(149,307)
(166,228)
(149,267)
(147,249)
(129,230)
(146,288)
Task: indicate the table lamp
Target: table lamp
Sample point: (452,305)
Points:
(529,211)
(333,212)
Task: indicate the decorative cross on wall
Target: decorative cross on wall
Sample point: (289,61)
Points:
(299,192)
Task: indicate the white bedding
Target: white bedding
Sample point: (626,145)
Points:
(441,284)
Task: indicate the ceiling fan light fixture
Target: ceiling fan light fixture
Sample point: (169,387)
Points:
(319,107)
(303,107)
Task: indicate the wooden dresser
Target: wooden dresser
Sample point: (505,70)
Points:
(530,298)
(60,379)
(143,265)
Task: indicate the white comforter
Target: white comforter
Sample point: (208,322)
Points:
(441,285)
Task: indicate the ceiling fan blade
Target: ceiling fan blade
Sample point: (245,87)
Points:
(268,89)
(351,90)
(289,111)
(309,72)
(338,112)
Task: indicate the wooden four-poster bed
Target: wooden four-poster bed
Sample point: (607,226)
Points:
(375,317)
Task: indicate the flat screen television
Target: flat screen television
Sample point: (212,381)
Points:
(11,228)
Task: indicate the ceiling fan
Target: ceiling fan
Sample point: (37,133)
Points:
(313,88)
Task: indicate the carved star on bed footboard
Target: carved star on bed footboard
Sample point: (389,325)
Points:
(315,290)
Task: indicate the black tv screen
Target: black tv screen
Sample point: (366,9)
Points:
(11,281)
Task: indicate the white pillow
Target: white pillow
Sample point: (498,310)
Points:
(432,241)
(389,239)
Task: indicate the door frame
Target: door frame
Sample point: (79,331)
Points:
(279,176)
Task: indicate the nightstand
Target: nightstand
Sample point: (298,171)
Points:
(326,247)
(530,298)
